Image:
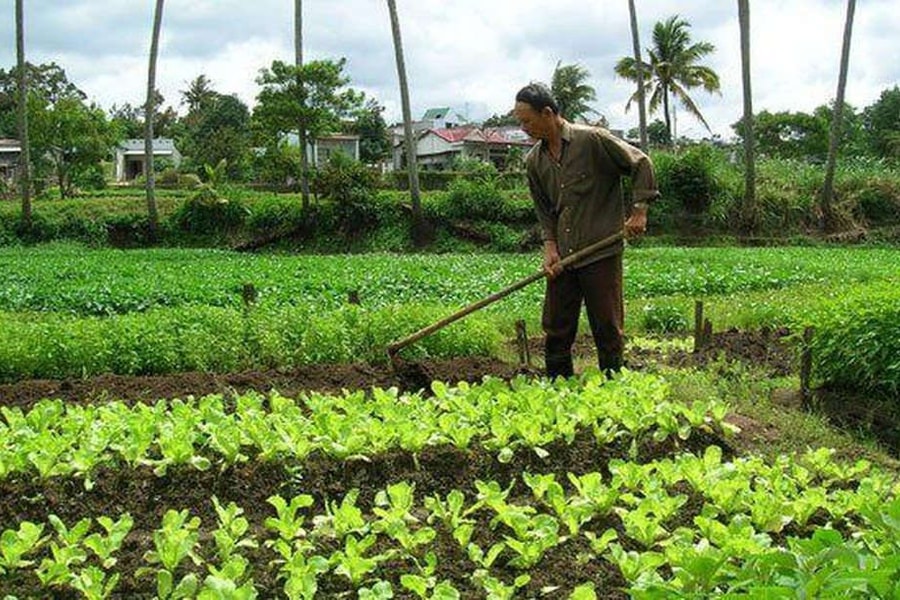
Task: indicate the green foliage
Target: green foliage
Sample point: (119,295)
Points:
(857,342)
(663,318)
(352,187)
(672,69)
(218,129)
(374,137)
(473,199)
(571,91)
(206,211)
(882,124)
(312,97)
(689,179)
(790,135)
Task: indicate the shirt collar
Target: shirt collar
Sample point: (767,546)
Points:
(565,133)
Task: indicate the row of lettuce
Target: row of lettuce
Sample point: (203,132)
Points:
(67,311)
(691,524)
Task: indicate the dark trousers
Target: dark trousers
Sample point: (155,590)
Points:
(599,285)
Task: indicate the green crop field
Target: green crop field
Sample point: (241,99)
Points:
(631,487)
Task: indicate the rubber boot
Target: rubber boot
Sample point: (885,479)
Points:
(559,365)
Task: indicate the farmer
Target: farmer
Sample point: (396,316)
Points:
(574,174)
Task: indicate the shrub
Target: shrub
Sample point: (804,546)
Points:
(690,179)
(208,212)
(352,186)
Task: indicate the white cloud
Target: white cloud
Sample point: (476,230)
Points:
(469,54)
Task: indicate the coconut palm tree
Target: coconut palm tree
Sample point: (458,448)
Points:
(639,72)
(199,93)
(419,226)
(673,69)
(301,130)
(571,92)
(25,155)
(826,200)
(149,111)
(749,205)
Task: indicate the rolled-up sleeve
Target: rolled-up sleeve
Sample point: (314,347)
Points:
(636,164)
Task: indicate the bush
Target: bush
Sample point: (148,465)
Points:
(690,180)
(879,203)
(352,186)
(208,212)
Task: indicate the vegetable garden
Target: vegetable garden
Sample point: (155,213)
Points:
(512,487)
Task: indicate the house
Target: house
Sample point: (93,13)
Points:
(442,118)
(321,149)
(437,149)
(10,150)
(130,156)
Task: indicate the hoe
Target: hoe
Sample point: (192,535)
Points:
(395,347)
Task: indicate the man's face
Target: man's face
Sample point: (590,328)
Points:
(533,122)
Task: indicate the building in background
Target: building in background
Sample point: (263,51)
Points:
(130,157)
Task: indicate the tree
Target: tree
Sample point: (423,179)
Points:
(881,121)
(129,119)
(48,81)
(374,137)
(639,76)
(199,94)
(419,231)
(827,197)
(790,135)
(506,119)
(149,111)
(571,92)
(219,129)
(748,208)
(313,98)
(24,143)
(69,139)
(673,69)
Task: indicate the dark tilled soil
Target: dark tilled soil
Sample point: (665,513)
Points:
(435,471)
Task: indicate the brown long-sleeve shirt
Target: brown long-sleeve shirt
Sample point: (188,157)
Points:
(579,200)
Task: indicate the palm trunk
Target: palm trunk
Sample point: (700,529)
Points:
(748,210)
(301,128)
(25,152)
(639,65)
(149,112)
(665,95)
(419,232)
(826,201)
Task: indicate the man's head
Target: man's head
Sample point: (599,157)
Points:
(536,110)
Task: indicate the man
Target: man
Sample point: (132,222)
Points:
(574,174)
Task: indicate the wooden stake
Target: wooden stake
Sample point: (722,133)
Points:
(698,325)
(249,294)
(522,339)
(806,368)
(707,332)
(353,297)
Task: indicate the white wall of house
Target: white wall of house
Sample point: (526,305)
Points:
(130,156)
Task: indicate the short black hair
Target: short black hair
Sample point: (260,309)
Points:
(538,96)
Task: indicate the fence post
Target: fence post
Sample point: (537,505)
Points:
(522,341)
(698,325)
(806,368)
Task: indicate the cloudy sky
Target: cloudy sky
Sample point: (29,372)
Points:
(469,54)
